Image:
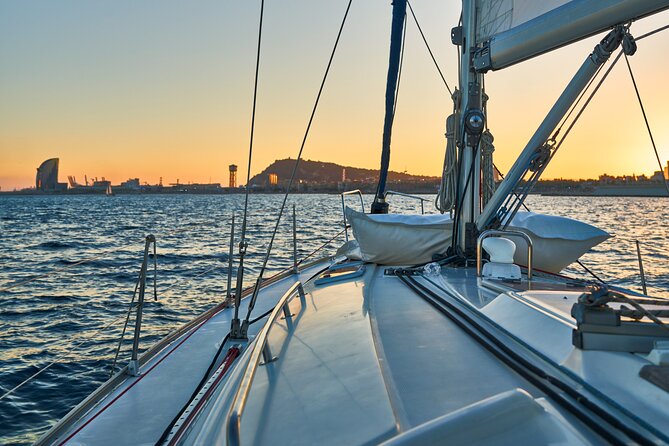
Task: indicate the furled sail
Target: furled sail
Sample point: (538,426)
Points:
(497,16)
(509,31)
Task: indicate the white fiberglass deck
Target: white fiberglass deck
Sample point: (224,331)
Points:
(139,410)
(367,360)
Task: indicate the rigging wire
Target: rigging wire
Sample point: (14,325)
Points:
(207,374)
(242,242)
(84,338)
(520,197)
(429,49)
(573,107)
(645,118)
(297,163)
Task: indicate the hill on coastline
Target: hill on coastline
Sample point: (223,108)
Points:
(323,172)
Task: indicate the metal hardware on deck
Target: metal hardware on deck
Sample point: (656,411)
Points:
(343,208)
(491,233)
(643,275)
(260,348)
(600,327)
(294,241)
(267,356)
(286,311)
(415,197)
(133,366)
(228,293)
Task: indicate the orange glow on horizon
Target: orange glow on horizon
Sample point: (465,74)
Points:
(178,106)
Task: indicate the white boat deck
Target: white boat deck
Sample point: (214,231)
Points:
(138,411)
(367,360)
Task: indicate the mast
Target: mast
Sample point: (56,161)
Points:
(471,125)
(379,206)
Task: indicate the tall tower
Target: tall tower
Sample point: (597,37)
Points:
(233,175)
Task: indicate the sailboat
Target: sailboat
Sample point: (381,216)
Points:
(109,190)
(454,328)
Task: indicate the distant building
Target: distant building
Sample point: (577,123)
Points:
(666,171)
(658,176)
(233,175)
(273,179)
(101,184)
(132,183)
(47,176)
(606,179)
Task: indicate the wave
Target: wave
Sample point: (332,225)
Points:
(56,245)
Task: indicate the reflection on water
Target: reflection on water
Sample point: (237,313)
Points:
(42,320)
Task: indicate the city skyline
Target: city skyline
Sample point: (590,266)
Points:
(67,180)
(137,89)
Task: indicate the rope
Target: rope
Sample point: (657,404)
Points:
(520,197)
(297,163)
(575,104)
(448,188)
(487,148)
(427,45)
(645,118)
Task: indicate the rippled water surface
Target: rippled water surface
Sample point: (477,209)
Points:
(62,315)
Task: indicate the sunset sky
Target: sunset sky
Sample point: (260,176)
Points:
(163,88)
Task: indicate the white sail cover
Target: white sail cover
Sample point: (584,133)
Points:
(496,16)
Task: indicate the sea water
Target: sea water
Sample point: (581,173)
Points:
(60,314)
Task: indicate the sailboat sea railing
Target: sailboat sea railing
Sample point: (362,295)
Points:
(119,377)
(343,207)
(414,197)
(136,360)
(234,420)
